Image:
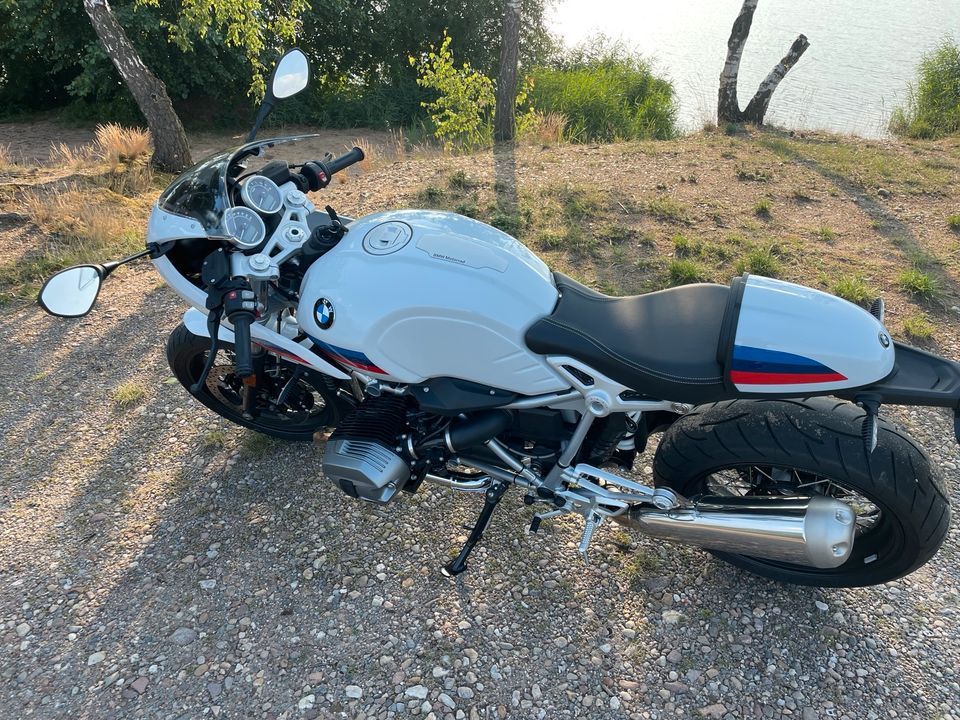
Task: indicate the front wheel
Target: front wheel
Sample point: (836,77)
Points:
(310,404)
(801,448)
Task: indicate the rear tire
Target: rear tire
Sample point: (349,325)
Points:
(812,439)
(319,405)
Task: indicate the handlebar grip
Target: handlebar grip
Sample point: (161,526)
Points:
(344,161)
(243,364)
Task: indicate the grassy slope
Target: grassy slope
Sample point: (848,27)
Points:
(853,217)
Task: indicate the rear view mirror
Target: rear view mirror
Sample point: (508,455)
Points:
(291,75)
(72,292)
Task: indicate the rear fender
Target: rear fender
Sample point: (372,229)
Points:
(784,339)
(196,322)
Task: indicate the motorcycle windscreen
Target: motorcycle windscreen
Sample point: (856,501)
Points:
(786,339)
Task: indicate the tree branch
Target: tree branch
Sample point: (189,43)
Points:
(758,104)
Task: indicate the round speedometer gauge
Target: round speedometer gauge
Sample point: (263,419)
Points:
(245,228)
(261,194)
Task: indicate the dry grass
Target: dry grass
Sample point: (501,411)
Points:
(116,144)
(73,158)
(369,154)
(6,158)
(547,129)
(128,394)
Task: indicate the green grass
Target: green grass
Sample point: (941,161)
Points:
(763,209)
(760,261)
(213,439)
(753,174)
(866,165)
(641,566)
(918,326)
(684,272)
(128,394)
(853,288)
(667,209)
(613,233)
(826,234)
(933,108)
(953,222)
(684,247)
(461,182)
(257,445)
(917,283)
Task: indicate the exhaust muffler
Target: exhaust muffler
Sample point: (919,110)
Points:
(817,531)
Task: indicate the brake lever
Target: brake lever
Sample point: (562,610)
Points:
(213,327)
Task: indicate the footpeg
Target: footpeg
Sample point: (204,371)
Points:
(593,521)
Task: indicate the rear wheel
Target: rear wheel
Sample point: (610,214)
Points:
(802,448)
(311,403)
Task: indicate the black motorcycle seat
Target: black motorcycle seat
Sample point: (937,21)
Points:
(661,344)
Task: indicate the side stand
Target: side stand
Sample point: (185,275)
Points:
(491,498)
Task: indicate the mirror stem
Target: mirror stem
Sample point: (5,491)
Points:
(265,110)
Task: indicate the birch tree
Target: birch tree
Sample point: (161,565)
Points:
(171,151)
(728,106)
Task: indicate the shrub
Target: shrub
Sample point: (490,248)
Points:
(933,108)
(118,144)
(463,109)
(606,93)
(916,282)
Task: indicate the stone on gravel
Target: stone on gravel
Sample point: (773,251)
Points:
(96,658)
(23,629)
(184,636)
(821,606)
(353,691)
(671,617)
(447,700)
(416,691)
(208,584)
(713,711)
(139,685)
(307,701)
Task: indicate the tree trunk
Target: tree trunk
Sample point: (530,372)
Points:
(170,149)
(505,119)
(757,107)
(728,106)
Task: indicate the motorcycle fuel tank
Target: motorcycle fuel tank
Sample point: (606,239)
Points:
(411,295)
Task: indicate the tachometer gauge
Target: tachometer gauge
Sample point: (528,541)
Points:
(245,228)
(261,194)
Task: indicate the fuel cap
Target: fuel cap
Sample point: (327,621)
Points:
(387,238)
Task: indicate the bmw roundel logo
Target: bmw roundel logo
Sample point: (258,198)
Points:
(323,311)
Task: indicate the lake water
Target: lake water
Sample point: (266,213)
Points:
(862,56)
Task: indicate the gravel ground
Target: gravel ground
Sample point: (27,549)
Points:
(156,562)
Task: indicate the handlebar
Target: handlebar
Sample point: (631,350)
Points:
(344,161)
(316,175)
(243,362)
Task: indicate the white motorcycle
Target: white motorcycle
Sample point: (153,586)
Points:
(442,350)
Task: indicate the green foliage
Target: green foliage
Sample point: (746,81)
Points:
(917,283)
(953,222)
(606,93)
(933,108)
(668,209)
(462,111)
(763,209)
(242,24)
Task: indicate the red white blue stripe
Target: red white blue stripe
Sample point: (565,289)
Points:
(759,366)
(351,358)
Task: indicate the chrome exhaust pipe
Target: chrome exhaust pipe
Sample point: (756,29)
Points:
(817,531)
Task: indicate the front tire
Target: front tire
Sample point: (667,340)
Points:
(312,405)
(784,447)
